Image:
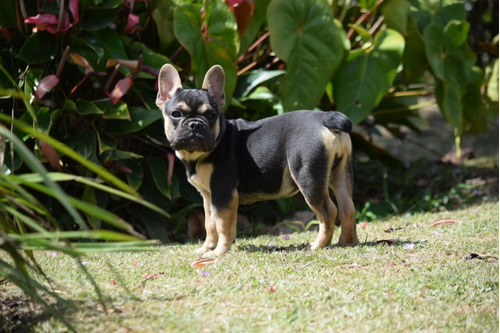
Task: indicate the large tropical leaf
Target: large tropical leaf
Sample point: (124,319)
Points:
(451,61)
(209,33)
(304,35)
(367,74)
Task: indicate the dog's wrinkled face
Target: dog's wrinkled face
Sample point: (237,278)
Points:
(191,121)
(191,116)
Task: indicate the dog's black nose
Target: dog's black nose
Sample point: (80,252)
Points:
(195,125)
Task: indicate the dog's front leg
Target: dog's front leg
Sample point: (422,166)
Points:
(210,226)
(225,222)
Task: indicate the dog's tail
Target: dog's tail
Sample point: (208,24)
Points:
(337,121)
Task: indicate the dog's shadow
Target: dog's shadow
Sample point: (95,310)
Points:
(306,246)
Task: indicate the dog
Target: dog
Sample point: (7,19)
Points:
(232,162)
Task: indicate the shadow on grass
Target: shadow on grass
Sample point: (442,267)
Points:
(305,246)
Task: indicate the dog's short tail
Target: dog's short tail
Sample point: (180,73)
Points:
(337,121)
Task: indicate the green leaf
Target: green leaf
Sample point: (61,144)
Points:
(304,35)
(150,58)
(46,117)
(109,43)
(367,4)
(96,18)
(492,90)
(139,119)
(250,80)
(118,111)
(396,14)
(38,48)
(439,12)
(85,107)
(210,39)
(452,63)
(163,17)
(8,14)
(367,74)
(89,196)
(135,178)
(159,169)
(414,58)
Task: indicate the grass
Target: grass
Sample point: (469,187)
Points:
(422,281)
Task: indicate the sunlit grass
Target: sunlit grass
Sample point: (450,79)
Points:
(422,281)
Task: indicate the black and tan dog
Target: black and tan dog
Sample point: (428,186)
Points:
(234,162)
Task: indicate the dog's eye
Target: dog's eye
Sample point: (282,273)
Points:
(176,114)
(210,115)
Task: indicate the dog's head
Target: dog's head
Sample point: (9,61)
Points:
(192,117)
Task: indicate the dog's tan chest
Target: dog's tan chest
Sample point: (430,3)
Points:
(201,178)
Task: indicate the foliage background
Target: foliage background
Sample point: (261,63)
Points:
(84,72)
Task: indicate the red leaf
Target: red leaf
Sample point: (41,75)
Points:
(446,221)
(271,289)
(132,24)
(364,224)
(45,85)
(203,262)
(42,21)
(171,161)
(51,154)
(82,62)
(73,8)
(132,64)
(110,165)
(120,89)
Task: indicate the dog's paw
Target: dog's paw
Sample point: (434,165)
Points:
(215,253)
(348,241)
(313,247)
(203,250)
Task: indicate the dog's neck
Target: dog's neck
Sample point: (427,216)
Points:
(191,159)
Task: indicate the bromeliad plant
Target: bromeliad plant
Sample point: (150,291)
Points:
(27,224)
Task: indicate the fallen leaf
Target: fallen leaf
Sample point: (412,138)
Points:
(364,224)
(271,289)
(386,241)
(446,221)
(203,262)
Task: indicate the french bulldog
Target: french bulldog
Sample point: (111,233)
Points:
(232,162)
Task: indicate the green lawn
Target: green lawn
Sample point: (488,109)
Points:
(422,281)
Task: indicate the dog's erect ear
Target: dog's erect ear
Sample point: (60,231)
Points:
(168,83)
(214,83)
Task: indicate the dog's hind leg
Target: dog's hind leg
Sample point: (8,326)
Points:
(313,185)
(341,184)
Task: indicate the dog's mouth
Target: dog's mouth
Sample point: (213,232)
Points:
(193,141)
